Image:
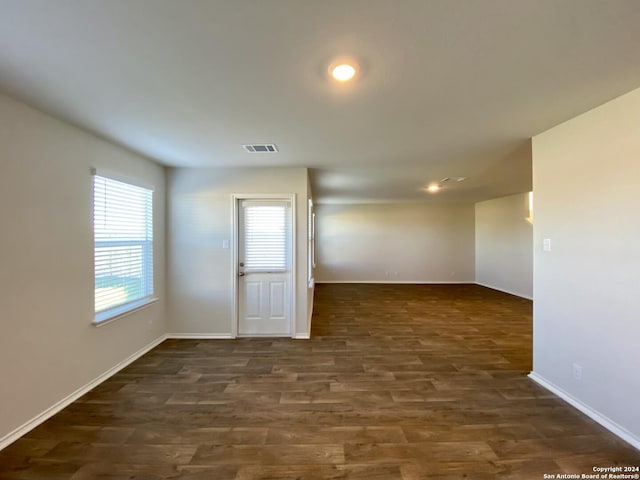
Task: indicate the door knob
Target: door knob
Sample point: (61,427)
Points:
(242,264)
(241,274)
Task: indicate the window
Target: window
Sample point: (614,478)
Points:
(123,247)
(266,231)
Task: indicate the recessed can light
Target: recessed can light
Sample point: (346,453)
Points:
(343,72)
(343,69)
(433,188)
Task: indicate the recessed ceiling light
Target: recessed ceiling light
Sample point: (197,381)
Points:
(343,72)
(343,69)
(433,188)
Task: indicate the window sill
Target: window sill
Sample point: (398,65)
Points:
(103,318)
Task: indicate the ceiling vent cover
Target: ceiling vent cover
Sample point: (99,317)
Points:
(260,147)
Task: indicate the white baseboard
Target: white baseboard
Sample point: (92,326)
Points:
(603,420)
(206,336)
(504,290)
(69,399)
(200,336)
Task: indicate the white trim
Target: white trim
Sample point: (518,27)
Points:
(294,264)
(302,336)
(265,335)
(313,240)
(603,420)
(235,211)
(200,336)
(504,290)
(117,313)
(69,399)
(471,282)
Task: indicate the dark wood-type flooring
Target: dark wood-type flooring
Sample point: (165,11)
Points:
(398,382)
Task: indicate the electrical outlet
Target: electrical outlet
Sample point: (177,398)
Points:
(577,372)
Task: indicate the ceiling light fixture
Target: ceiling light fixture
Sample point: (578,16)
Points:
(343,72)
(343,69)
(433,188)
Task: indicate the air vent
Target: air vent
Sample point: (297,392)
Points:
(260,148)
(452,179)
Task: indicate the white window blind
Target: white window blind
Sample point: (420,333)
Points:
(266,233)
(123,246)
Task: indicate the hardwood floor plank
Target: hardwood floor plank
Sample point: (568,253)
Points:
(419,452)
(320,472)
(336,435)
(141,454)
(167,435)
(269,454)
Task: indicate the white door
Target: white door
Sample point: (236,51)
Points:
(264,267)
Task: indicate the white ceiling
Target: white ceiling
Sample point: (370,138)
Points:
(448,87)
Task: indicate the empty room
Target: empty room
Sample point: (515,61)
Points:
(319,239)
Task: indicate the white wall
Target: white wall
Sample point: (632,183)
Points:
(199,269)
(48,346)
(587,288)
(395,243)
(504,245)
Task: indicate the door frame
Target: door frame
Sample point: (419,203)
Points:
(236,198)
